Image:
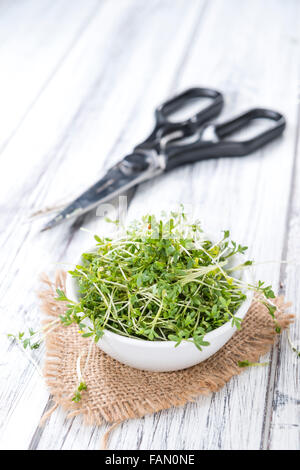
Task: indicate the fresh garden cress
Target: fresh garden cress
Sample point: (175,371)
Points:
(163,280)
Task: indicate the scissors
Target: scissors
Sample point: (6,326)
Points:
(173,143)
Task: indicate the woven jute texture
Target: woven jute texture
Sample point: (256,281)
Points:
(116,392)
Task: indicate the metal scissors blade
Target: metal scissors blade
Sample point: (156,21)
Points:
(130,171)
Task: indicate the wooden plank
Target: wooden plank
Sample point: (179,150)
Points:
(283,431)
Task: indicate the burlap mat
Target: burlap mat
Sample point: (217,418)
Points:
(116,392)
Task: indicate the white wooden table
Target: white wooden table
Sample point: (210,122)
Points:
(79,82)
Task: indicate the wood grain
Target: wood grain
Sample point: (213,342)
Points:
(77,103)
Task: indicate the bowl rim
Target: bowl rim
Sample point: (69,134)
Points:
(70,286)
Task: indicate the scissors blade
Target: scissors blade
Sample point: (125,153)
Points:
(130,171)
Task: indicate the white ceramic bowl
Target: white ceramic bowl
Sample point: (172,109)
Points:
(163,356)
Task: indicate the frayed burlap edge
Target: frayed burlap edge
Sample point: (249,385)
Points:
(99,406)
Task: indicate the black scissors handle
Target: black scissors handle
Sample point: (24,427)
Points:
(216,146)
(165,125)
